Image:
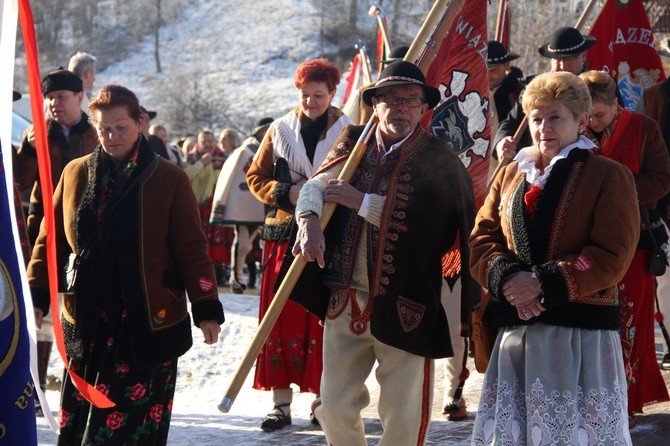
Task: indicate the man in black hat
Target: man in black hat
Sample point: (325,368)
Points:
(504,86)
(69,136)
(381,273)
(566,50)
(364,110)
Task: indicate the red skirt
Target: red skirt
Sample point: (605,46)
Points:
(219,238)
(636,294)
(293,351)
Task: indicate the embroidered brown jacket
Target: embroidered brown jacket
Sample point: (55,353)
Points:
(165,254)
(579,245)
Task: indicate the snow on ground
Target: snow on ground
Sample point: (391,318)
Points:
(205,372)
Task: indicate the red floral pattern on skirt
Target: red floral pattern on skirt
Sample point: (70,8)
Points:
(293,351)
(143,396)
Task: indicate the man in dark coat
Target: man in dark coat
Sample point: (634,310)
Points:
(404,207)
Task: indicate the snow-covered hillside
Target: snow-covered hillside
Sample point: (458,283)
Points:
(241,55)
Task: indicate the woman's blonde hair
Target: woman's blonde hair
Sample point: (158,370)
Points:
(602,87)
(564,87)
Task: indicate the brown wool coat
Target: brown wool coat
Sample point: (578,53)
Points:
(82,140)
(171,244)
(597,217)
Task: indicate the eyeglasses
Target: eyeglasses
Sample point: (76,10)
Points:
(395,101)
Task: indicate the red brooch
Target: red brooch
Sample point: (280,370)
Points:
(530,199)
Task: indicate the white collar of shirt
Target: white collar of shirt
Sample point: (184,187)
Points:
(527,158)
(66,130)
(380,141)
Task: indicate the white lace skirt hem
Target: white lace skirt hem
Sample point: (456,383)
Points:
(549,385)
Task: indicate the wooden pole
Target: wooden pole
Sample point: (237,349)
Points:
(436,16)
(365,66)
(502,8)
(385,36)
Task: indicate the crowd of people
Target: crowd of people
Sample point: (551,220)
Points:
(145,226)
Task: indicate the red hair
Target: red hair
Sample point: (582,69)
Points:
(317,70)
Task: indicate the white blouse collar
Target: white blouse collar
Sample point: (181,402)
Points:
(528,156)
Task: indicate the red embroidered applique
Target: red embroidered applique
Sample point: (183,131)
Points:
(206,284)
(530,199)
(581,263)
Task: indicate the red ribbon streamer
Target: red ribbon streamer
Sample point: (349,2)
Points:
(88,391)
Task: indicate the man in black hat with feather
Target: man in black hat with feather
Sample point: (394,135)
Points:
(378,286)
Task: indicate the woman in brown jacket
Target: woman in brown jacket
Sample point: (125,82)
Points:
(551,242)
(132,221)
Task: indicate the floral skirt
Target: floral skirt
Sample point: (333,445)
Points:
(293,351)
(548,385)
(143,395)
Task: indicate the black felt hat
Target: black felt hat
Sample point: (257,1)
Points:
(152,114)
(398,53)
(566,42)
(61,80)
(402,72)
(262,124)
(498,54)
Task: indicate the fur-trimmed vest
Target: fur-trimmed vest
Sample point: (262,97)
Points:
(579,243)
(429,202)
(270,183)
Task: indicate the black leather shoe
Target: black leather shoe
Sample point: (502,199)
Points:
(275,421)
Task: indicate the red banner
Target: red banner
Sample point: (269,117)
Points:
(625,48)
(459,71)
(462,117)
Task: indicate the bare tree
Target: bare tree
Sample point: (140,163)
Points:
(157,27)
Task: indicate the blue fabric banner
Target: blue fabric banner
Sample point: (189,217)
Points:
(17,406)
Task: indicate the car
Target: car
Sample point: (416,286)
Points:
(19,125)
(21,119)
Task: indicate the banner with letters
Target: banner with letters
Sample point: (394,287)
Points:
(625,48)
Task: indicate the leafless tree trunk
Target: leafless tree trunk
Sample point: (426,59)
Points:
(157,28)
(353,12)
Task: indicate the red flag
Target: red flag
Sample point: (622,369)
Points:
(459,71)
(625,48)
(462,117)
(382,34)
(353,78)
(502,24)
